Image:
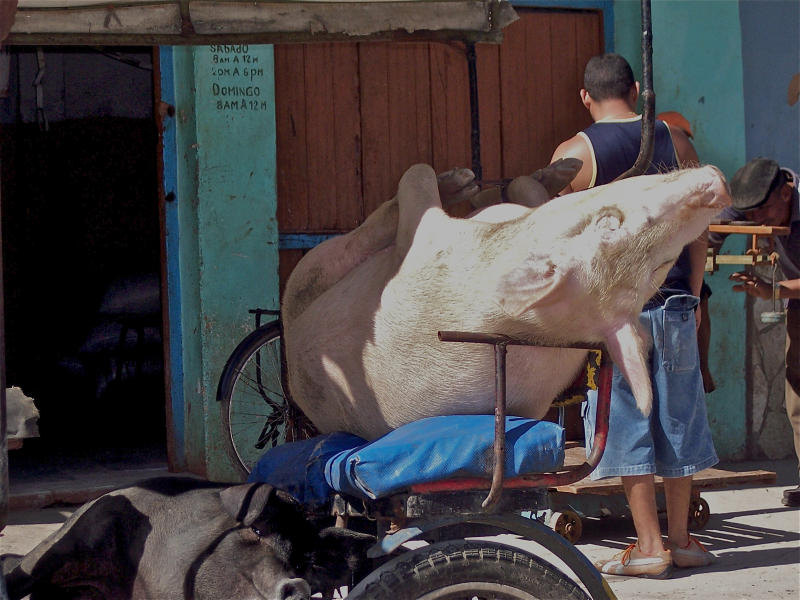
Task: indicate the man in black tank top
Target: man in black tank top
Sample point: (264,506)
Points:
(675,440)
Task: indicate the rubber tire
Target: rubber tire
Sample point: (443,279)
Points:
(462,569)
(567,524)
(699,513)
(238,448)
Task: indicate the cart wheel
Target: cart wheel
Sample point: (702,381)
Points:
(466,569)
(699,513)
(567,524)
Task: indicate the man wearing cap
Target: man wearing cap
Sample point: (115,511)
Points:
(766,193)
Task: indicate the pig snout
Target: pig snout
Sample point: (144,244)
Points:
(293,589)
(712,188)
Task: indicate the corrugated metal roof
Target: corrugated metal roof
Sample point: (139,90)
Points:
(149,22)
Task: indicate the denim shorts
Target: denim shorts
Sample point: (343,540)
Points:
(675,440)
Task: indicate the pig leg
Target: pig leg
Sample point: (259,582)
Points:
(327,263)
(535,189)
(417,193)
(557,175)
(456,185)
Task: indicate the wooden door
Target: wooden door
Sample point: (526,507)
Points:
(352,117)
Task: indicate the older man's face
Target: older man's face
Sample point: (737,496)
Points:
(776,211)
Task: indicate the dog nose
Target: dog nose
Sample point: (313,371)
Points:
(293,589)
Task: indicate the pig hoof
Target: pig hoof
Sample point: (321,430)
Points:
(456,185)
(527,191)
(556,176)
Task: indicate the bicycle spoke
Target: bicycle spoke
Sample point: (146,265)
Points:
(260,394)
(257,413)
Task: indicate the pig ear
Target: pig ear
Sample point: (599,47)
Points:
(629,349)
(531,283)
(246,502)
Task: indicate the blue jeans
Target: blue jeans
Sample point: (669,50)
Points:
(675,440)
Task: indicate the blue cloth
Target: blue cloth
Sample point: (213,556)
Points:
(428,450)
(299,467)
(615,146)
(675,441)
(439,448)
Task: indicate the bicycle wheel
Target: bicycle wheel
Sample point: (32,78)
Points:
(256,410)
(467,570)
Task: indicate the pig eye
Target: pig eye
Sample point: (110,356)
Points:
(609,219)
(608,222)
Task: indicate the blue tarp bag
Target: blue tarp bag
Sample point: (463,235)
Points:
(428,450)
(299,467)
(445,447)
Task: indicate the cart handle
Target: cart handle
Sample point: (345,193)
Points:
(500,341)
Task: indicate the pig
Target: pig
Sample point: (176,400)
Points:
(180,538)
(361,312)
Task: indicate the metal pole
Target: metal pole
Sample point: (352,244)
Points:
(3,439)
(648,98)
(475,133)
(498,469)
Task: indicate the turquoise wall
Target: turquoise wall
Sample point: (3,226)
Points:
(771,58)
(222,254)
(222,235)
(697,70)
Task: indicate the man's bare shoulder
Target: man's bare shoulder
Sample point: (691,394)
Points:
(687,155)
(576,147)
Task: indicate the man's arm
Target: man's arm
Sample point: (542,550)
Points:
(789,288)
(698,250)
(684,150)
(753,285)
(697,260)
(576,147)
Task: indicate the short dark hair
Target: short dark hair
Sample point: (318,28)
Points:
(608,76)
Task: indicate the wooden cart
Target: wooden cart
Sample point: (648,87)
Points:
(569,504)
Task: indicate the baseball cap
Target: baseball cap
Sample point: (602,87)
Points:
(752,184)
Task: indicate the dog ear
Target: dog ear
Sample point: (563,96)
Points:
(246,502)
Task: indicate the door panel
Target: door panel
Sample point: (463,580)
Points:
(351,118)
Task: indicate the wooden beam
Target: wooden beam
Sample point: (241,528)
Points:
(201,22)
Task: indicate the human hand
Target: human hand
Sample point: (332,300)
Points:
(752,285)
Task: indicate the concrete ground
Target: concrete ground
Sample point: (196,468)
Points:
(755,538)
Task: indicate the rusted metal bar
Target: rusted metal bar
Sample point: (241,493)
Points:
(498,470)
(499,338)
(500,341)
(648,98)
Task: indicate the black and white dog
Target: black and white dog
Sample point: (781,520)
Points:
(181,538)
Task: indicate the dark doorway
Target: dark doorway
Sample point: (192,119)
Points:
(81,250)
